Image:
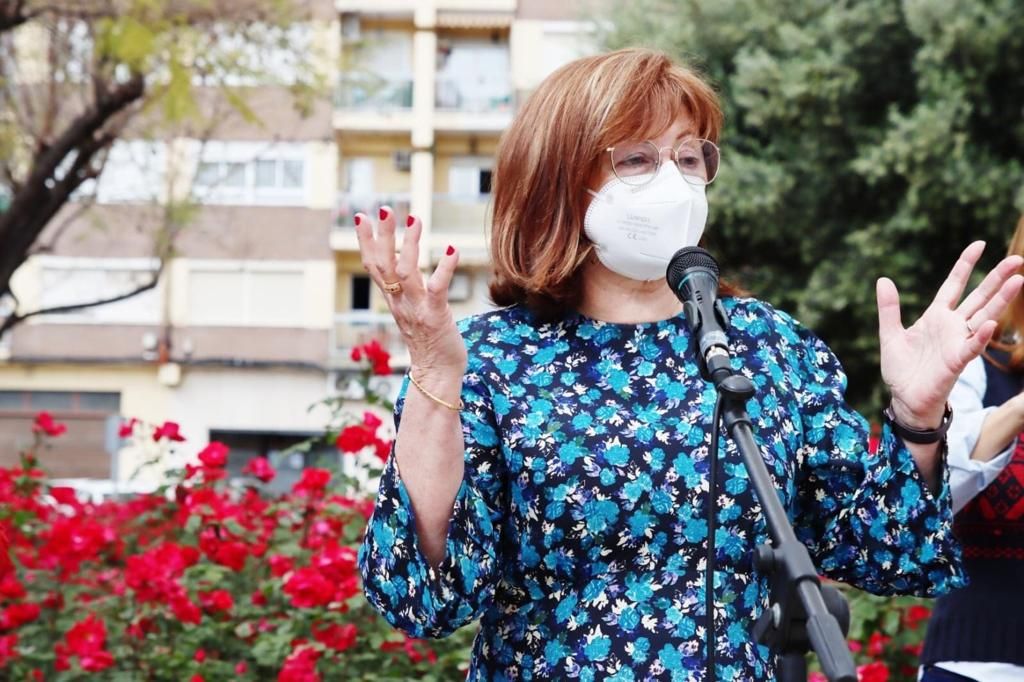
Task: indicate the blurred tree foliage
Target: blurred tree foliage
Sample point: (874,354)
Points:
(866,138)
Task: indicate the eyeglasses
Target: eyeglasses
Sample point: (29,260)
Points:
(636,163)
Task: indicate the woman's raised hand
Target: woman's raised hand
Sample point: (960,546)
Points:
(419,304)
(921,363)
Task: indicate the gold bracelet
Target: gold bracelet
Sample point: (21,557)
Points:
(454,408)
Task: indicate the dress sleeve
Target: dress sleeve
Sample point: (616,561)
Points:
(968,477)
(397,579)
(867,518)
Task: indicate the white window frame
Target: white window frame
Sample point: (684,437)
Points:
(84,316)
(221,153)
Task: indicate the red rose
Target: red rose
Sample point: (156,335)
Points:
(7,649)
(300,666)
(18,614)
(876,644)
(379,359)
(199,656)
(217,600)
(279,565)
(312,482)
(337,637)
(87,640)
(64,495)
(241,668)
(354,438)
(45,424)
(873,672)
(170,431)
(185,611)
(214,455)
(260,468)
(231,554)
(915,615)
(308,588)
(127,428)
(371,420)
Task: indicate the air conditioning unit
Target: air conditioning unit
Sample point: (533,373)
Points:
(402,159)
(351,30)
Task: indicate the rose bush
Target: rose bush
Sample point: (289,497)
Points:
(206,579)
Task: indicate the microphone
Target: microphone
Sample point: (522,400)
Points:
(693,277)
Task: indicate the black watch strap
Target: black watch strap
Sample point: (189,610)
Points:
(919,436)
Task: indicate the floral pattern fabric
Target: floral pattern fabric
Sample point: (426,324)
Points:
(579,532)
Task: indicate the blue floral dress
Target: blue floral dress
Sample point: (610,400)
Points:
(579,532)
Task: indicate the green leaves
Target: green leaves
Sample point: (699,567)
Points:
(862,139)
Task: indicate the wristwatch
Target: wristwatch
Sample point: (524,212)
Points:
(919,436)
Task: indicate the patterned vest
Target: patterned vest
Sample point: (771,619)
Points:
(985,621)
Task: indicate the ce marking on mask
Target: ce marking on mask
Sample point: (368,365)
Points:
(637,228)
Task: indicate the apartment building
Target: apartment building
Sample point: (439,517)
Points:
(254,319)
(425,90)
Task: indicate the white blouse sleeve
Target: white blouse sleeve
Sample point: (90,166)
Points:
(968,477)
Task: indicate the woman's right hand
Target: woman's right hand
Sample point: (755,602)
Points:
(420,307)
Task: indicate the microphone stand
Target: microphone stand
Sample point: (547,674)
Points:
(802,613)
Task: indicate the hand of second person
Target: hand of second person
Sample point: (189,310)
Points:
(920,364)
(418,304)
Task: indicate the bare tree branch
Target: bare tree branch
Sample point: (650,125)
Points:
(17,318)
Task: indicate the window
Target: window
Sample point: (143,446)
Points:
(134,172)
(84,451)
(469,179)
(473,75)
(225,294)
(68,281)
(244,173)
(60,401)
(360,292)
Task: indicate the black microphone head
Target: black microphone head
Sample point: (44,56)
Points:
(687,258)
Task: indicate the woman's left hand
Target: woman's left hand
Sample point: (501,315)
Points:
(921,363)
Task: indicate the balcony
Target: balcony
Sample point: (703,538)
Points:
(343,235)
(357,327)
(367,102)
(460,107)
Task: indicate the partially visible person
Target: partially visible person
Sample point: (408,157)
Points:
(977,632)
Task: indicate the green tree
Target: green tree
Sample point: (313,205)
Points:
(862,139)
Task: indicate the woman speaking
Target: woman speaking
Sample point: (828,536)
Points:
(550,472)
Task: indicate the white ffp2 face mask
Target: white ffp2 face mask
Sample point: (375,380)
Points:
(637,229)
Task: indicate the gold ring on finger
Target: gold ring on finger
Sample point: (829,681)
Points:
(392,287)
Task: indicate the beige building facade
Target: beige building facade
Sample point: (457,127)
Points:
(253,320)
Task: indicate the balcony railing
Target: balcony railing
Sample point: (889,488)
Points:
(366,92)
(358,327)
(368,204)
(461,96)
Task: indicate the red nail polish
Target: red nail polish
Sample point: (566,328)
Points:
(409,221)
(358,219)
(451,250)
(383,213)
